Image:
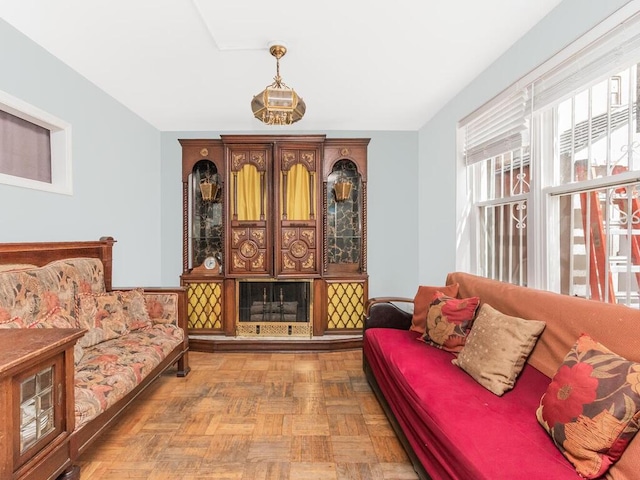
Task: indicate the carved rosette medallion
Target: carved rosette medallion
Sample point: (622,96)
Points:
(204,152)
(345,152)
(298,249)
(248,249)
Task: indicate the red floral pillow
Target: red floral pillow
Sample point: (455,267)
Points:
(422,302)
(449,321)
(591,408)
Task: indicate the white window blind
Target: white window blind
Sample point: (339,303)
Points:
(619,48)
(500,126)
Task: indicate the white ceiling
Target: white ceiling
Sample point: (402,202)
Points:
(359,65)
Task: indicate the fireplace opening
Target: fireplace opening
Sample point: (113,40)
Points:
(286,302)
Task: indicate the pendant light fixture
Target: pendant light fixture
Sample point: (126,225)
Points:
(278,104)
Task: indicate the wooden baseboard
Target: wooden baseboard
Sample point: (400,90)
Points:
(274,345)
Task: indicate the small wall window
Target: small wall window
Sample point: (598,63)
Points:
(35,147)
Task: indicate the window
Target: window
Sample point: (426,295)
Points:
(35,147)
(597,146)
(558,205)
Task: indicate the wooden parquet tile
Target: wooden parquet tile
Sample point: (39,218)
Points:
(262,416)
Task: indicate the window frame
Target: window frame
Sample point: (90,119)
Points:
(60,137)
(543,199)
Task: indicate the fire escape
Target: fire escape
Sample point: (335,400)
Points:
(604,214)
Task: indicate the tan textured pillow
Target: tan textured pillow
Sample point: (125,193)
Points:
(497,347)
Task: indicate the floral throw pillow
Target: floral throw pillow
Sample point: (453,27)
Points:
(102,314)
(135,309)
(422,302)
(449,321)
(591,408)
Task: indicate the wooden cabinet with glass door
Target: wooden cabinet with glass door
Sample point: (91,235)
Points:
(345,239)
(282,236)
(203,173)
(250,222)
(297,172)
(37,403)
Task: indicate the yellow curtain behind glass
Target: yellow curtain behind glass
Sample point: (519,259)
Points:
(298,207)
(249,193)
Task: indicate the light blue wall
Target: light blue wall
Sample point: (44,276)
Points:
(392,207)
(126,174)
(127,180)
(442,228)
(116,175)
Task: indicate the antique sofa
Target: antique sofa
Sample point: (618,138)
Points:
(452,426)
(131,335)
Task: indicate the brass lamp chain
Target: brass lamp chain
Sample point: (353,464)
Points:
(277,78)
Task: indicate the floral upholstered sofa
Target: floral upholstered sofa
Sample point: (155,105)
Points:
(131,336)
(487,381)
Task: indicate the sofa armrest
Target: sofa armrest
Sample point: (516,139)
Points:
(167,305)
(383,313)
(170,304)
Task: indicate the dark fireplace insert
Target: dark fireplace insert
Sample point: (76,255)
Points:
(274,301)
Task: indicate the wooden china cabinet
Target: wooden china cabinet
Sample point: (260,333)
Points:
(274,234)
(36,403)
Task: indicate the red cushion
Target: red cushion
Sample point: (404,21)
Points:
(457,428)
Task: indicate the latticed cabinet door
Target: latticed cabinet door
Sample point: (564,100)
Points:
(345,304)
(205,306)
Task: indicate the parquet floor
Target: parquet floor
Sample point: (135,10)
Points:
(262,416)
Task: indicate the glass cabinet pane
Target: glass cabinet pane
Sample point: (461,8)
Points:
(344,223)
(206,226)
(248,185)
(298,192)
(36,407)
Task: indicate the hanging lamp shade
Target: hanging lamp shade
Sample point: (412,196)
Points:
(278,104)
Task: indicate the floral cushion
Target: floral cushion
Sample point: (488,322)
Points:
(497,347)
(55,318)
(110,370)
(103,315)
(32,294)
(135,308)
(591,408)
(422,302)
(449,321)
(162,307)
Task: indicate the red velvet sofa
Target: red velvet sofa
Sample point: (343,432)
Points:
(454,428)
